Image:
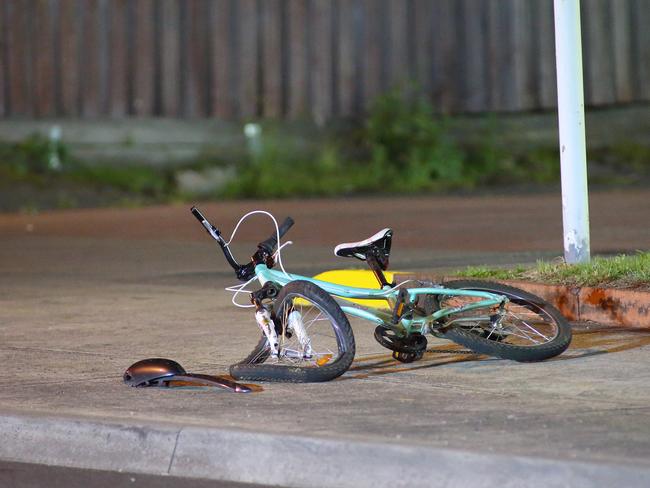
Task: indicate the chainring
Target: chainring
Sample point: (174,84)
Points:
(414,343)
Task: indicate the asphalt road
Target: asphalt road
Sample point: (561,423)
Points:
(84,294)
(463,224)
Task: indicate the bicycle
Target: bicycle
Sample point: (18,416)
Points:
(306,335)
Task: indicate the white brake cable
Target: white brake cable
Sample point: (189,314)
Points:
(278,254)
(277,232)
(386,292)
(237,289)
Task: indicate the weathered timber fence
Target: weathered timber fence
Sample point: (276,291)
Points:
(241,59)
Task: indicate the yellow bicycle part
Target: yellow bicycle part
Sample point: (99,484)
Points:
(357,278)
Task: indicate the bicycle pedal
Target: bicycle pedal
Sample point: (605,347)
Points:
(407,357)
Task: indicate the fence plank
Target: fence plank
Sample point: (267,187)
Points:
(4,74)
(104,56)
(89,66)
(445,55)
(169,59)
(248,65)
(347,57)
(271,58)
(18,60)
(493,49)
(297,62)
(372,52)
(117,58)
(68,30)
(523,28)
(143,66)
(642,49)
(423,45)
(196,57)
(497,53)
(597,46)
(546,74)
(472,81)
(221,62)
(43,60)
(622,36)
(502,72)
(321,60)
(398,55)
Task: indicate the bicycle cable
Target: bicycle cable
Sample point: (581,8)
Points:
(237,289)
(277,232)
(241,288)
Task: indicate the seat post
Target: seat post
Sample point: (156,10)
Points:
(378,262)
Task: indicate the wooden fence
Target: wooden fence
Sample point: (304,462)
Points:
(241,59)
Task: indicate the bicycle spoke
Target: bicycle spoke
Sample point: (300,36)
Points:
(522,335)
(517,326)
(533,329)
(316,326)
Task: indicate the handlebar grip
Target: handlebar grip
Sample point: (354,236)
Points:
(269,244)
(211,229)
(199,216)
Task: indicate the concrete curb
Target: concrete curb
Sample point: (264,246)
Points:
(284,460)
(607,306)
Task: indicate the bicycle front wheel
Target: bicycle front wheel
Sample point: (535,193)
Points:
(531,329)
(315,340)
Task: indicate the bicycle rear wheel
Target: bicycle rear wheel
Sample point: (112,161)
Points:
(315,340)
(531,329)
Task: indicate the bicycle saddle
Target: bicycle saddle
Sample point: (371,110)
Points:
(161,371)
(380,241)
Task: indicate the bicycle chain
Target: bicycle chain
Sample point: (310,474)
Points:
(451,351)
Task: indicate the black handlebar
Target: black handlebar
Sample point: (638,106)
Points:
(212,230)
(264,249)
(269,244)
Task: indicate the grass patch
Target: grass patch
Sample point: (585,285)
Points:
(487,273)
(623,271)
(402,146)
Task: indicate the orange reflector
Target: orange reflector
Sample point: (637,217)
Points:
(323,360)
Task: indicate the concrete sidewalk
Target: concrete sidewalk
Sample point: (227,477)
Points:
(76,310)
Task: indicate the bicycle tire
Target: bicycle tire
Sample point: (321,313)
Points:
(482,337)
(333,332)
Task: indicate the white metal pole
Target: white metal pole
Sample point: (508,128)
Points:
(571,115)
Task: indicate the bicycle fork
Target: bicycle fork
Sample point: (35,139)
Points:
(295,325)
(265,323)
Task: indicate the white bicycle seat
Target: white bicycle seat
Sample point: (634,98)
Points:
(381,239)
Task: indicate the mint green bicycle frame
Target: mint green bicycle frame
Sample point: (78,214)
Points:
(416,324)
